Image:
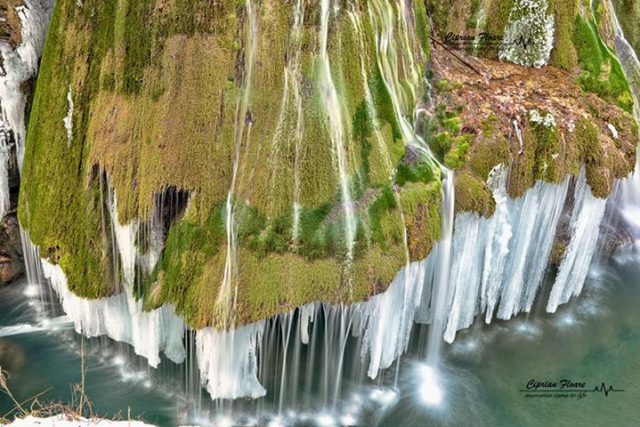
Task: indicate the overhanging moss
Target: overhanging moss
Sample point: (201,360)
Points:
(164,98)
(601,71)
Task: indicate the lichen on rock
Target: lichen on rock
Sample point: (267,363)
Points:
(528,37)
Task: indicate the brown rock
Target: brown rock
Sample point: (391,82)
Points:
(11,260)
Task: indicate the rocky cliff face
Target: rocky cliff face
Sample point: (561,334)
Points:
(11,259)
(269,154)
(11,263)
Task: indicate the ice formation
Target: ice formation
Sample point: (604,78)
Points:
(228,361)
(5,159)
(21,64)
(18,66)
(121,317)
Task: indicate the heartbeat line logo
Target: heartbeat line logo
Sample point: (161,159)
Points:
(605,390)
(565,388)
(523,42)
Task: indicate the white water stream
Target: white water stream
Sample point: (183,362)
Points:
(483,266)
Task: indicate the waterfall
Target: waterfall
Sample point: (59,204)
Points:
(499,262)
(586,217)
(295,80)
(5,161)
(381,15)
(21,64)
(627,191)
(292,97)
(439,304)
(243,119)
(492,267)
(336,132)
(121,317)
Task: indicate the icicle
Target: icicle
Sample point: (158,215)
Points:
(18,66)
(148,333)
(306,317)
(503,263)
(586,217)
(5,159)
(228,361)
(389,318)
(21,64)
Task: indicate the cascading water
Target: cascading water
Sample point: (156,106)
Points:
(19,65)
(439,303)
(5,159)
(333,111)
(491,266)
(627,192)
(227,296)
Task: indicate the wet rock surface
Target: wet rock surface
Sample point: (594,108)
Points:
(11,261)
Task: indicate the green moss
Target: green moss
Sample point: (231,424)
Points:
(601,71)
(56,175)
(422,26)
(547,149)
(564,53)
(491,150)
(379,219)
(414,172)
(157,89)
(497,18)
(598,174)
(137,47)
(457,156)
(421,207)
(384,105)
(473,195)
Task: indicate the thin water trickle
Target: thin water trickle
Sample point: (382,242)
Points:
(439,304)
(227,298)
(333,110)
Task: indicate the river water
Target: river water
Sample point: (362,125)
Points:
(483,377)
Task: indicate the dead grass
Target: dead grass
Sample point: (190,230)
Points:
(79,407)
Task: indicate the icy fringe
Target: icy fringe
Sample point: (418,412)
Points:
(503,273)
(528,38)
(18,66)
(5,159)
(21,64)
(500,276)
(122,317)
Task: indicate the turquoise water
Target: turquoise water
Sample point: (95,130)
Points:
(595,339)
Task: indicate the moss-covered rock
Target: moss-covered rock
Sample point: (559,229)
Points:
(226,102)
(473,195)
(535,122)
(230,104)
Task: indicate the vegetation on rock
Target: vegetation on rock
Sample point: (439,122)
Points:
(226,104)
